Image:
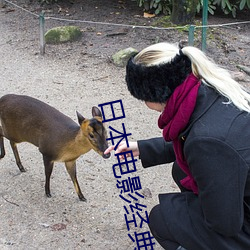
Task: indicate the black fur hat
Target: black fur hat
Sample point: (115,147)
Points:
(156,83)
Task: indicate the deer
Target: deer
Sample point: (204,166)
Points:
(58,138)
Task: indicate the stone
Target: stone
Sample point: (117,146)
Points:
(121,58)
(239,76)
(63,34)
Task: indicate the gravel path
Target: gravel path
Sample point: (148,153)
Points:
(68,79)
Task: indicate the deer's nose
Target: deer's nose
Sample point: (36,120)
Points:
(106,156)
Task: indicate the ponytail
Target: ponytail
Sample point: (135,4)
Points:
(218,78)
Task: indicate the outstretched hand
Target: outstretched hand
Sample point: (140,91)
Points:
(122,147)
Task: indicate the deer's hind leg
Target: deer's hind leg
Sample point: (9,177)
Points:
(71,168)
(1,144)
(18,161)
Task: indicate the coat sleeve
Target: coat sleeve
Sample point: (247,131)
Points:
(155,151)
(220,173)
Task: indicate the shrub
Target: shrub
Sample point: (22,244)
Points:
(157,6)
(165,6)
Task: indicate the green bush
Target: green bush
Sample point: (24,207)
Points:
(232,6)
(211,7)
(227,6)
(156,6)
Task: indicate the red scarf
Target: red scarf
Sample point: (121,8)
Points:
(174,119)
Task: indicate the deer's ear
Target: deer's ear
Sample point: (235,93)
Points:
(80,118)
(96,112)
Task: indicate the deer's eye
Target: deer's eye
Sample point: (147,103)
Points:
(91,136)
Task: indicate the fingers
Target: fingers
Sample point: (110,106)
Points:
(122,147)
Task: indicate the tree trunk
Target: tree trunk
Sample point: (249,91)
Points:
(183,11)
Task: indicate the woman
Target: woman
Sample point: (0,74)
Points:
(205,118)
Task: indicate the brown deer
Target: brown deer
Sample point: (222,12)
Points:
(59,138)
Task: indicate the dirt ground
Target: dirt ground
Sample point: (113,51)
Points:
(77,76)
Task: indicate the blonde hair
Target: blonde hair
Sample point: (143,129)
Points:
(202,67)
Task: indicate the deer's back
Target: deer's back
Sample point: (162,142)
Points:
(24,118)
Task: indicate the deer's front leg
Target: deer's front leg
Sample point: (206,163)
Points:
(71,168)
(48,165)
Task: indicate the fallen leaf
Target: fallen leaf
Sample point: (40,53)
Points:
(147,15)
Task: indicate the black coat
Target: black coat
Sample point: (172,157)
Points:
(216,145)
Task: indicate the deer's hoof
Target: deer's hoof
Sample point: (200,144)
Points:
(82,198)
(48,195)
